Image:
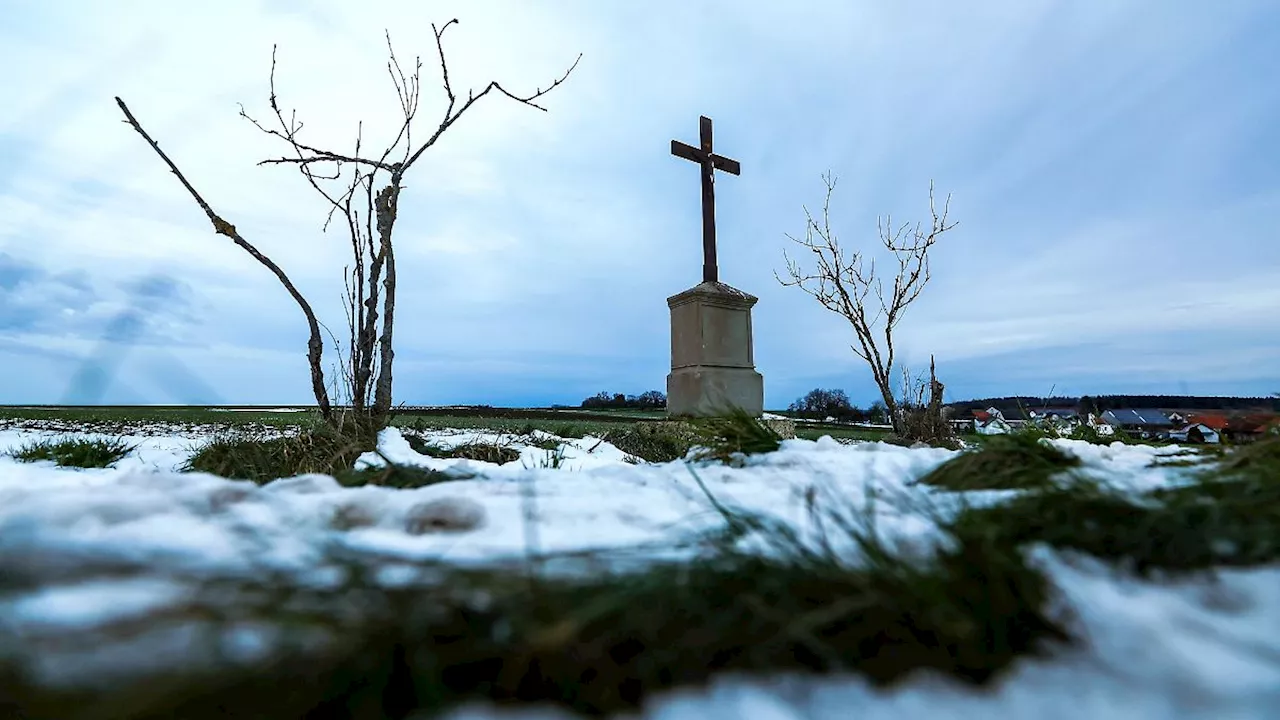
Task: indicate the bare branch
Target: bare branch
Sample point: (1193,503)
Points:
(450,117)
(306,154)
(315,345)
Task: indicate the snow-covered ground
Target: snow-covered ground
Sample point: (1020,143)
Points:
(1187,649)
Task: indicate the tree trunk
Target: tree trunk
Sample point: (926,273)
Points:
(891,408)
(386,208)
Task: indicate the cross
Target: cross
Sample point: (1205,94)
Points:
(709,162)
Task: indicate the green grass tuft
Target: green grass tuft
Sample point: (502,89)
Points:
(1256,462)
(737,432)
(721,438)
(260,458)
(475,450)
(655,442)
(75,452)
(1016,461)
(576,432)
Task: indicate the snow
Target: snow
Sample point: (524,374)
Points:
(1187,649)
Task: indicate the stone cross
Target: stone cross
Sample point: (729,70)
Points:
(709,162)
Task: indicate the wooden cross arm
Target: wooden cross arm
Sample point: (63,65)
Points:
(689,152)
(725,164)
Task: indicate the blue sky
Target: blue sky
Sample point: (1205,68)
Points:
(1114,168)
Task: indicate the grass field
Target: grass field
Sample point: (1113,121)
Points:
(562,422)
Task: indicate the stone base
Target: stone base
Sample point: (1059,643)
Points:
(708,391)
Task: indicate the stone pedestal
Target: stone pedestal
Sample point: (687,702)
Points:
(712,364)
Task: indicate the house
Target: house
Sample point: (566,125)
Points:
(1217,421)
(1142,422)
(994,421)
(1195,433)
(993,425)
(1097,424)
(988,414)
(1062,412)
(1064,420)
(1250,427)
(1016,417)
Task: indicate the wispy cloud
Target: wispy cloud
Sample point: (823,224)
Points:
(1112,167)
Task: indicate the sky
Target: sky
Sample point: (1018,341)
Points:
(1114,169)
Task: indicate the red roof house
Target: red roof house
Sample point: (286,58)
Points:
(1251,426)
(1213,420)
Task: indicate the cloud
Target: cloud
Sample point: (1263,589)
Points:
(1107,165)
(33,298)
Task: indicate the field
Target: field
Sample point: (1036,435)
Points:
(201,563)
(576,422)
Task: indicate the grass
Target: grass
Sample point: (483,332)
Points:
(562,423)
(498,453)
(1018,461)
(653,442)
(604,643)
(809,431)
(263,458)
(567,428)
(391,475)
(1228,516)
(737,433)
(75,452)
(719,438)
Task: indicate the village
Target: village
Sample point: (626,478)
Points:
(1155,424)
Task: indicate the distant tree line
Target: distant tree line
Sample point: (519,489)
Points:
(1017,406)
(820,404)
(650,400)
(1103,403)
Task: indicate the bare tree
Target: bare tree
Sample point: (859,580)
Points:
(842,283)
(365,199)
